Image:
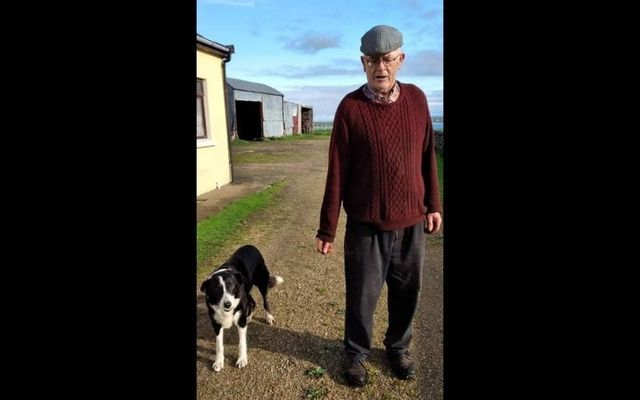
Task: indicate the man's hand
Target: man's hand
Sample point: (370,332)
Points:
(434,221)
(323,247)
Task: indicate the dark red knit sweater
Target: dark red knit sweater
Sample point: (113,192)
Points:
(382,164)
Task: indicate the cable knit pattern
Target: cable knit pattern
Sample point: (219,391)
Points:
(381,163)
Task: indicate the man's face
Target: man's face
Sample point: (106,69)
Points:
(381,70)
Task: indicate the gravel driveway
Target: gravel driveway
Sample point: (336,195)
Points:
(309,305)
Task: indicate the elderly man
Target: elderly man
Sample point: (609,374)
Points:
(382,169)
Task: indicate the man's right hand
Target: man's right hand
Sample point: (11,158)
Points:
(323,247)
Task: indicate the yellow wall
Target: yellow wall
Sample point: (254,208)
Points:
(213,155)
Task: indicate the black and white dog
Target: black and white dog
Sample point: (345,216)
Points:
(229,301)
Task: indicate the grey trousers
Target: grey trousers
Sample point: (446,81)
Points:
(373,257)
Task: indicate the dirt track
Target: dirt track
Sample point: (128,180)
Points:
(309,305)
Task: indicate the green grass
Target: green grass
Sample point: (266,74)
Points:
(240,142)
(318,134)
(257,157)
(313,393)
(322,131)
(215,231)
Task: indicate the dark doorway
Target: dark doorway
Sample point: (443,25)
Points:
(249,119)
(307,120)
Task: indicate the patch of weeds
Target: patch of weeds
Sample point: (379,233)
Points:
(316,372)
(340,311)
(321,290)
(313,393)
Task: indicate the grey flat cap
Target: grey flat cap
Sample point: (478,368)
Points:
(381,39)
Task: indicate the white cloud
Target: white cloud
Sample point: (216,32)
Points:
(312,42)
(325,99)
(423,63)
(313,71)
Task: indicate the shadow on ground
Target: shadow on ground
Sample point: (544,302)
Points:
(305,345)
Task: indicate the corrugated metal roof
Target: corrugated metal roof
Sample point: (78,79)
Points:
(239,84)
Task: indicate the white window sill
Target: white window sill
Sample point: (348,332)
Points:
(205,143)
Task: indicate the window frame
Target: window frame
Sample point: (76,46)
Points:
(201,96)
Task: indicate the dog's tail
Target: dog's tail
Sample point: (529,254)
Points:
(274,280)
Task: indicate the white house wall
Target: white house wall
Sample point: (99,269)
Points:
(212,156)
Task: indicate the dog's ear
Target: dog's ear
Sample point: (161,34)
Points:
(239,278)
(204,285)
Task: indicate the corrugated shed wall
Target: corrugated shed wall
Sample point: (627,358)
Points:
(290,110)
(247,96)
(272,120)
(272,115)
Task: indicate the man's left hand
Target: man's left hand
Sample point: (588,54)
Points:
(434,221)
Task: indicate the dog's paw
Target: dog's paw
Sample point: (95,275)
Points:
(218,365)
(242,362)
(270,319)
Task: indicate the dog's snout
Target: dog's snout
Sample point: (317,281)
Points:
(227,304)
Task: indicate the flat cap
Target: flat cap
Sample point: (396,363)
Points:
(381,39)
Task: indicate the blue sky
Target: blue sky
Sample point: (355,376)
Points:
(310,50)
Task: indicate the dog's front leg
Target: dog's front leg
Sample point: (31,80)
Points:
(218,364)
(242,345)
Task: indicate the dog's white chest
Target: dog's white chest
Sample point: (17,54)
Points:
(227,319)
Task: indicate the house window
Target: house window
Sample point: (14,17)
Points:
(201,122)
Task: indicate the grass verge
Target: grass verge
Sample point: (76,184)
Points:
(316,135)
(257,157)
(215,231)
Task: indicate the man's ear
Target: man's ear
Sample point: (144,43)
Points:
(364,63)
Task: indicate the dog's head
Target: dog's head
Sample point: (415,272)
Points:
(223,291)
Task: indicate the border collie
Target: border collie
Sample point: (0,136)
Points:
(229,301)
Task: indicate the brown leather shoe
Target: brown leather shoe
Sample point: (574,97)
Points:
(356,373)
(402,364)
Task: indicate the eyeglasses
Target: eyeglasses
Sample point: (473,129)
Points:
(371,61)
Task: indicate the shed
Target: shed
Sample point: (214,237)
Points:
(255,110)
(297,118)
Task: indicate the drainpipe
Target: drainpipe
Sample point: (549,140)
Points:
(226,108)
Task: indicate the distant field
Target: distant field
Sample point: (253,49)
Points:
(326,126)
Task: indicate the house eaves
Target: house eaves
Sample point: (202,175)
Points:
(215,48)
